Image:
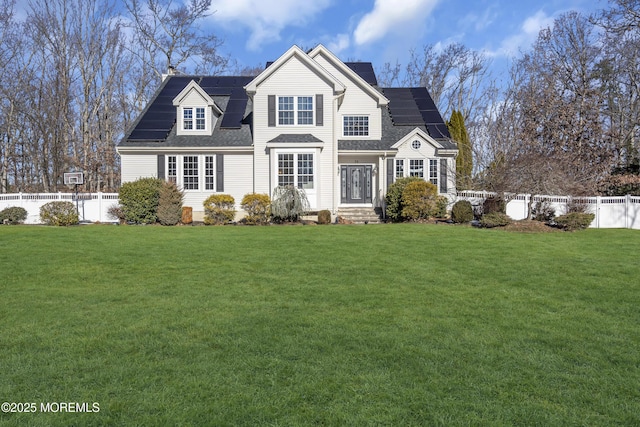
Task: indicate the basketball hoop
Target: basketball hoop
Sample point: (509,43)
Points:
(75,179)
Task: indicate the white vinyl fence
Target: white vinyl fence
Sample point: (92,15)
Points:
(610,212)
(92,207)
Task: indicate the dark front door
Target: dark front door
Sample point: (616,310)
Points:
(355,183)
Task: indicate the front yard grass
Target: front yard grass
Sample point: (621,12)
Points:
(404,324)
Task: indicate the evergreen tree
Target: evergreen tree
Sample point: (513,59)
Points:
(464,161)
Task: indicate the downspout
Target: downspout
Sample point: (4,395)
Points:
(335,171)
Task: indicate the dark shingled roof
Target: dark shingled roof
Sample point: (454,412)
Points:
(295,138)
(156,125)
(408,109)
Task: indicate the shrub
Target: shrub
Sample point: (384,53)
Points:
(257,207)
(621,185)
(441,207)
(495,219)
(393,199)
(170,204)
(324,217)
(574,221)
(419,200)
(462,212)
(494,204)
(115,212)
(13,215)
(59,213)
(139,200)
(288,203)
(219,209)
(542,211)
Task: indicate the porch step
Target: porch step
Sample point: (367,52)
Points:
(360,215)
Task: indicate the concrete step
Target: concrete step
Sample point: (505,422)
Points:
(360,215)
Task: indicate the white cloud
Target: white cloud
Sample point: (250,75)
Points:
(529,31)
(388,16)
(339,44)
(265,18)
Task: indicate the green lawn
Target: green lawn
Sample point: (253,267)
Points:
(330,325)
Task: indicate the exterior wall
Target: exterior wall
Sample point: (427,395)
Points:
(356,102)
(308,83)
(238,179)
(136,166)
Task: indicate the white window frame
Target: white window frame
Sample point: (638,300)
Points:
(205,168)
(406,167)
(416,168)
(359,126)
(434,172)
(302,112)
(300,170)
(197,122)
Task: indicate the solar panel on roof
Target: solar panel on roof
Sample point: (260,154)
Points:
(232,120)
(153,135)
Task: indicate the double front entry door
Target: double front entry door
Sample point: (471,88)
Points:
(356,183)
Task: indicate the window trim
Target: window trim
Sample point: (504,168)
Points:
(298,168)
(206,169)
(199,121)
(355,133)
(296,111)
(429,172)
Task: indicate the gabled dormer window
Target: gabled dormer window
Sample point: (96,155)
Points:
(188,118)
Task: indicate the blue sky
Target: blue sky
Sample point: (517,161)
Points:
(379,31)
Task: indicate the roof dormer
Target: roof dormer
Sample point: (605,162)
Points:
(196,111)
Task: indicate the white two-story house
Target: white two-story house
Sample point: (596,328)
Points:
(308,120)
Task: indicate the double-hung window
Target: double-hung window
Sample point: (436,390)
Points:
(399,168)
(296,169)
(191,115)
(190,172)
(433,171)
(295,110)
(355,126)
(416,167)
(193,172)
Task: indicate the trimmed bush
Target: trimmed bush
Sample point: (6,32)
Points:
(288,203)
(419,199)
(257,207)
(219,209)
(494,204)
(59,213)
(170,204)
(139,200)
(393,199)
(495,219)
(324,217)
(574,221)
(13,215)
(462,212)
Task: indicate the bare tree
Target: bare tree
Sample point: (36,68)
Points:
(549,132)
(168,36)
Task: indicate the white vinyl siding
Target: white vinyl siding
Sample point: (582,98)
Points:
(136,166)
